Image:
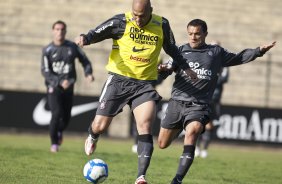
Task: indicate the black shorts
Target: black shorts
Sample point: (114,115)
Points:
(180,113)
(119,91)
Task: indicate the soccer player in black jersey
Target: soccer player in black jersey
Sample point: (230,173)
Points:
(215,104)
(58,69)
(138,37)
(188,107)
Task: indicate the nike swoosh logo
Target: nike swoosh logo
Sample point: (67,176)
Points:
(41,116)
(186,157)
(138,50)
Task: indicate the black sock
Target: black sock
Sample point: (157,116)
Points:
(145,150)
(93,135)
(185,162)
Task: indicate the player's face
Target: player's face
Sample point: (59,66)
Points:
(59,32)
(141,15)
(196,36)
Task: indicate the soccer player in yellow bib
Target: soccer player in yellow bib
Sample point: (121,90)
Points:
(138,37)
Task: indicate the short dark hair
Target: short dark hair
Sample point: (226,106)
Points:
(59,22)
(199,22)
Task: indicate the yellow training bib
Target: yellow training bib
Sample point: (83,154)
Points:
(136,53)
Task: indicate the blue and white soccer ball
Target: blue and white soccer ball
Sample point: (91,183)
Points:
(95,171)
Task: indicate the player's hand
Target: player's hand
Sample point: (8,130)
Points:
(80,40)
(265,48)
(191,74)
(164,67)
(90,78)
(65,84)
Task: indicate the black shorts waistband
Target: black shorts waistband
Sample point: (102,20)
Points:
(190,103)
(132,79)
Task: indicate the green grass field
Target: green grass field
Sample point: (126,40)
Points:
(25,159)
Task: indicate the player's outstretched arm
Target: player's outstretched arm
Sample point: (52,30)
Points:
(267,47)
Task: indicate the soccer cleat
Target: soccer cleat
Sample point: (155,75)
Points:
(141,180)
(90,145)
(54,148)
(204,154)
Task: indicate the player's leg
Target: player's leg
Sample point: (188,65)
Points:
(67,106)
(67,102)
(193,130)
(134,133)
(198,146)
(144,115)
(206,139)
(207,135)
(166,136)
(171,125)
(99,125)
(143,102)
(55,105)
(110,105)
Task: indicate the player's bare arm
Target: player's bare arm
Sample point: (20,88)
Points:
(267,47)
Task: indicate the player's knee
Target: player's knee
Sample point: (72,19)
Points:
(162,144)
(98,128)
(194,129)
(144,126)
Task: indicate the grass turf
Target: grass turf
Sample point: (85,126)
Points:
(26,159)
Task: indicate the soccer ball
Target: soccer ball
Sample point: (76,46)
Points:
(95,171)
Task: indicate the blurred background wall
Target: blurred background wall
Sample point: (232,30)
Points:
(25,27)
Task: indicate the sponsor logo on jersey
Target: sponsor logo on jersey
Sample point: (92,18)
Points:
(60,67)
(134,49)
(115,47)
(103,104)
(140,59)
(202,73)
(210,53)
(140,36)
(54,55)
(104,27)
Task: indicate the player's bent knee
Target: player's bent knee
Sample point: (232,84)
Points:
(98,128)
(163,144)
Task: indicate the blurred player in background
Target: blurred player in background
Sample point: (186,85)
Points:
(138,38)
(58,69)
(188,107)
(205,138)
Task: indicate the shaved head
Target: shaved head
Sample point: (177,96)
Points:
(141,4)
(141,12)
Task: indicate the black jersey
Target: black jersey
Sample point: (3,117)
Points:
(58,63)
(222,78)
(207,61)
(114,28)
